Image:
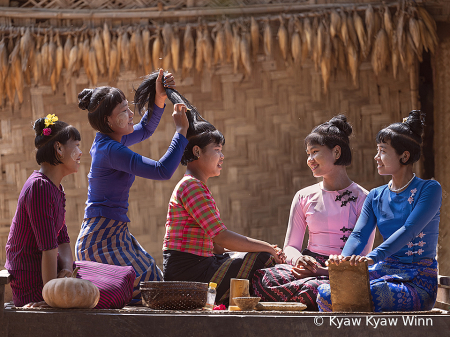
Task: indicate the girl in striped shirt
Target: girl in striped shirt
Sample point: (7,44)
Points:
(38,248)
(196,240)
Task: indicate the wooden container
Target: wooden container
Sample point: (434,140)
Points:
(238,288)
(350,287)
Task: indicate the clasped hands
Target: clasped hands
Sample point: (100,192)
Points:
(307,266)
(280,256)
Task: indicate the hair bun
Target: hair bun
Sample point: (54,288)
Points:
(39,126)
(340,122)
(84,98)
(416,122)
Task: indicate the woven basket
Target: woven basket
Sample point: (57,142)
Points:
(174,295)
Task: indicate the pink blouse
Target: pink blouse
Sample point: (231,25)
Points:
(330,217)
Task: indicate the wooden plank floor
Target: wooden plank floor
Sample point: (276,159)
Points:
(140,321)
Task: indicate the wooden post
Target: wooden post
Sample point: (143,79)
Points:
(443,293)
(414,85)
(415,102)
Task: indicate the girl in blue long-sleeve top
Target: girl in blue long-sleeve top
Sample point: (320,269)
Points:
(403,269)
(104,235)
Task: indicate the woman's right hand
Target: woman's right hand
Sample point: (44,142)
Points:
(180,118)
(277,257)
(279,254)
(336,259)
(64,273)
(354,259)
(41,304)
(307,262)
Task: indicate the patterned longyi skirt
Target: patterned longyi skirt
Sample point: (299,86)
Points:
(109,241)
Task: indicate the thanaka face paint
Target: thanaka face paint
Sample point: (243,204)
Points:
(387,159)
(122,119)
(75,155)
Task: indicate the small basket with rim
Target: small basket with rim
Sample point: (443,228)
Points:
(174,295)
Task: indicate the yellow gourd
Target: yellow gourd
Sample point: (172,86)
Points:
(70,292)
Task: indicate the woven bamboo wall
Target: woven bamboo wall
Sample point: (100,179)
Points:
(264,119)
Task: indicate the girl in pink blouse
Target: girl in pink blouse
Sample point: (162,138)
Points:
(38,248)
(329,209)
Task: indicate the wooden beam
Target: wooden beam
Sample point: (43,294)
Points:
(5,278)
(154,13)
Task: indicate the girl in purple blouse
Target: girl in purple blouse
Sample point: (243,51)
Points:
(38,249)
(105,236)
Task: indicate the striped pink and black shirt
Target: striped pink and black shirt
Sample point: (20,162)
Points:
(38,225)
(193,219)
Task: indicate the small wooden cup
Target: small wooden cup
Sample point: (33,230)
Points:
(238,288)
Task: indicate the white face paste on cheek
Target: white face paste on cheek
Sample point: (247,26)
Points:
(122,120)
(75,154)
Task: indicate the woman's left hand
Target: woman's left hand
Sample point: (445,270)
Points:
(162,82)
(300,272)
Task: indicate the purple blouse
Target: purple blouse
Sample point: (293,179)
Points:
(39,223)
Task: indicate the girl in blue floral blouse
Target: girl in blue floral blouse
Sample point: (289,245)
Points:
(403,269)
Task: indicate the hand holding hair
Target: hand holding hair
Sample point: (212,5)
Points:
(163,82)
(180,118)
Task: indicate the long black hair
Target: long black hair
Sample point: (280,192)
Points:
(200,131)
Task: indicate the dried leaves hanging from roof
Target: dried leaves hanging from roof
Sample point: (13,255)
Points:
(335,39)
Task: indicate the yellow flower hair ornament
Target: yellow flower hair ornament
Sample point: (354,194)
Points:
(49,121)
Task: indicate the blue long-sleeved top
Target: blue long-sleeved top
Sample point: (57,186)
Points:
(114,167)
(408,222)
